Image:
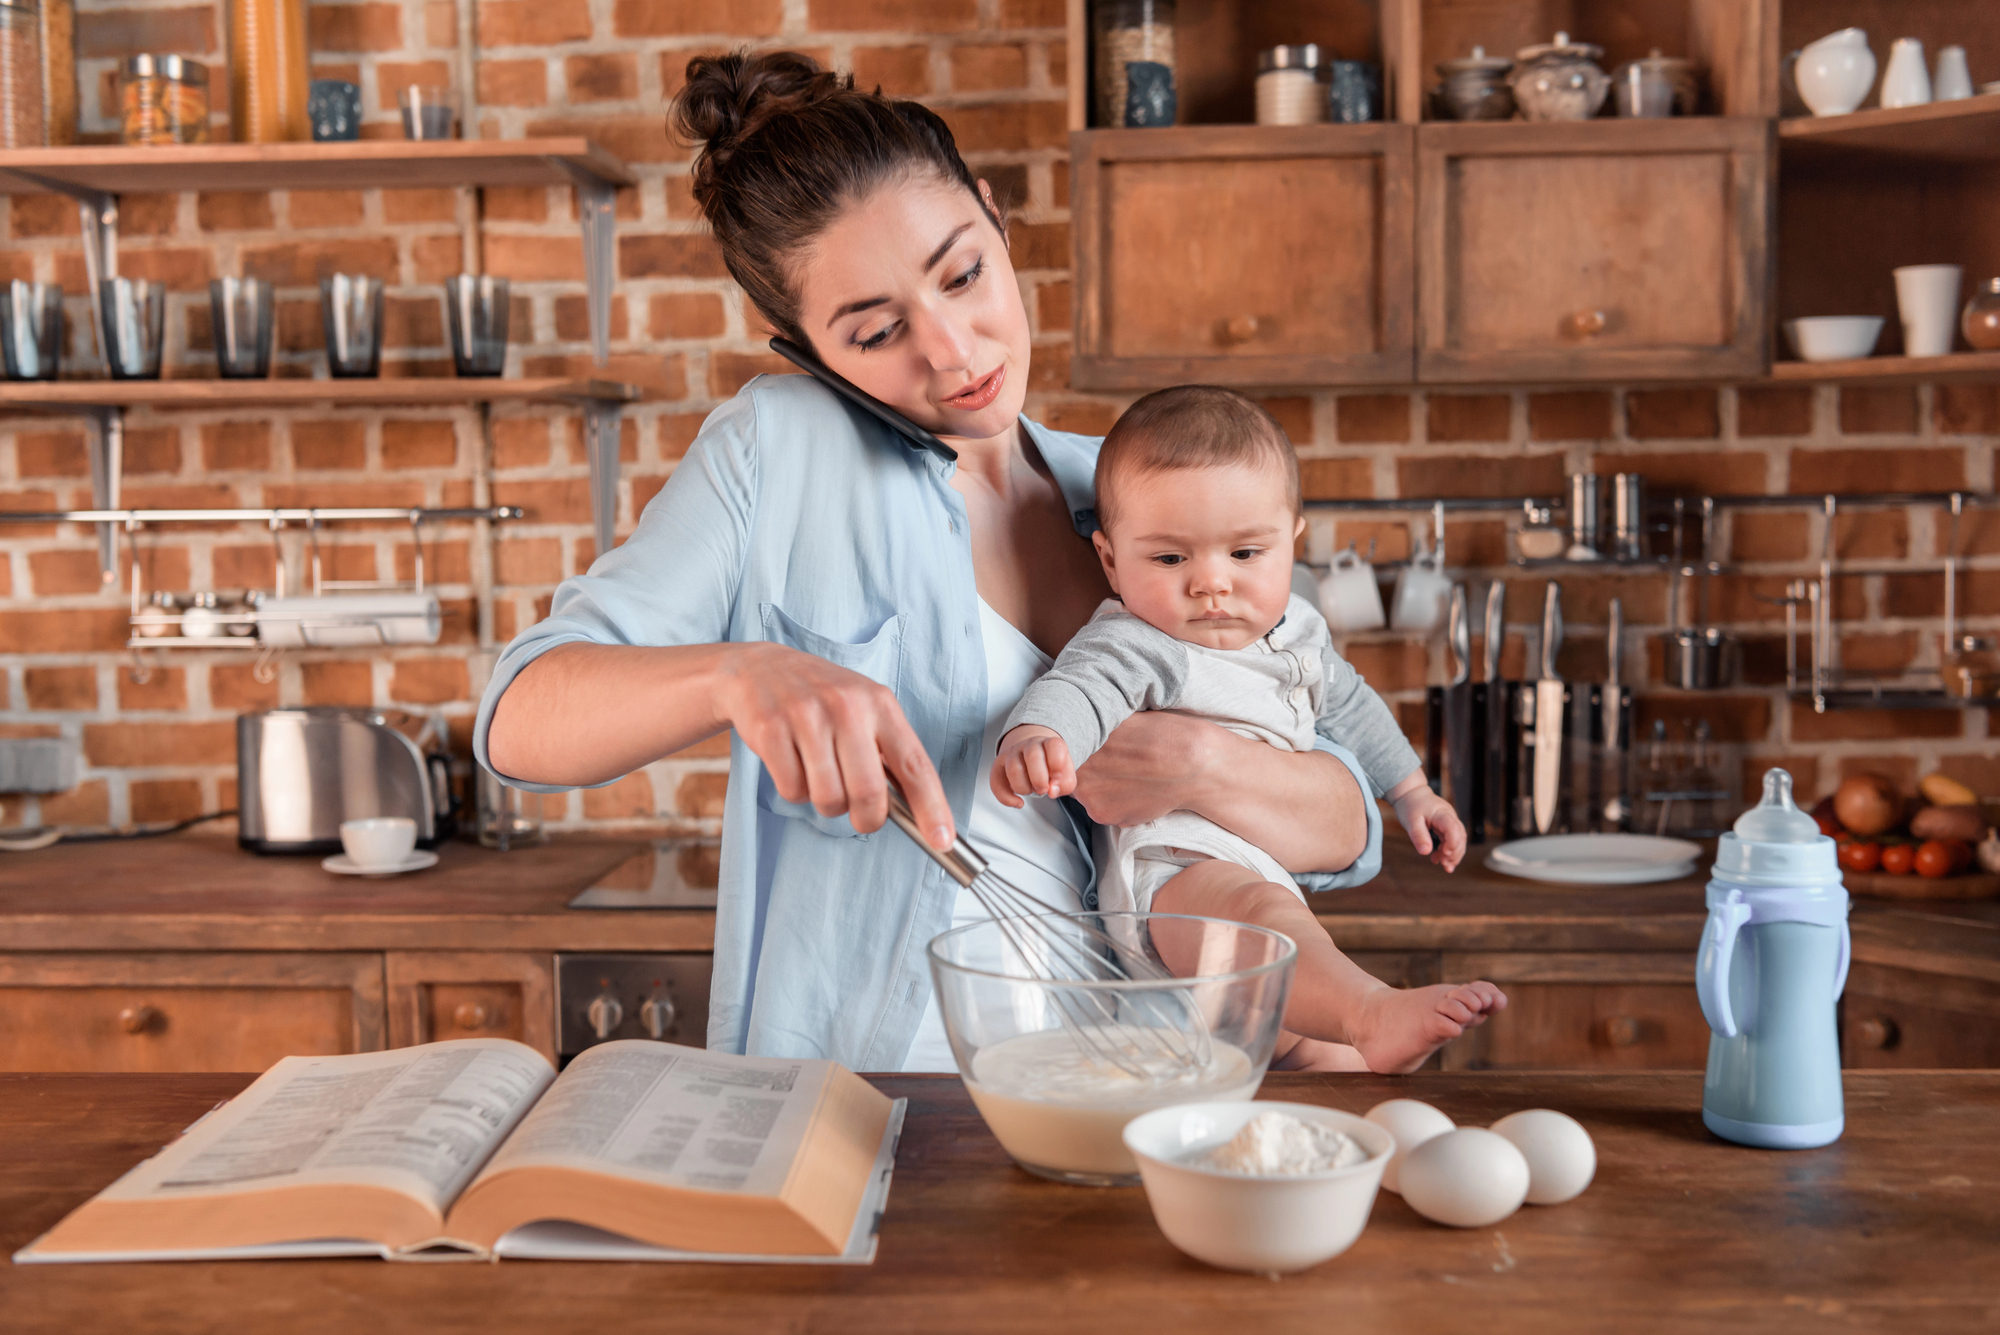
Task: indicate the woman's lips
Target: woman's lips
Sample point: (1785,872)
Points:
(980,393)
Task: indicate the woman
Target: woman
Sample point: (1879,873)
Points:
(847,602)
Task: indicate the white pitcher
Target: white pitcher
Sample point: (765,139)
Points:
(1835,73)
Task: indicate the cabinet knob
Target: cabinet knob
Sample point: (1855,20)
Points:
(658,1016)
(605,1015)
(1619,1031)
(1239,329)
(139,1019)
(1877,1031)
(1588,324)
(472,1015)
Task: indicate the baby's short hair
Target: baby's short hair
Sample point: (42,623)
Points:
(1193,426)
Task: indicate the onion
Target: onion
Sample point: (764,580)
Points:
(1868,805)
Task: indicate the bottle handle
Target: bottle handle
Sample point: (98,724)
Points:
(1846,957)
(1718,948)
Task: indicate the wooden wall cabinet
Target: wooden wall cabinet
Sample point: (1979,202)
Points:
(1630,251)
(1625,1011)
(1243,255)
(1893,1017)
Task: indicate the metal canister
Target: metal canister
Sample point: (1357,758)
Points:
(1585,509)
(163,100)
(1628,517)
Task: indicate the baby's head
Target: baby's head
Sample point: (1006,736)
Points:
(1198,499)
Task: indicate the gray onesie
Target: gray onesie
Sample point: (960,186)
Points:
(1279,689)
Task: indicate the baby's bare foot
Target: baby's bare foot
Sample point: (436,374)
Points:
(1296,1053)
(1400,1028)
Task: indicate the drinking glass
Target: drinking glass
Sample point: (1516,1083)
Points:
(135,326)
(428,111)
(508,816)
(240,327)
(477,307)
(31,329)
(350,308)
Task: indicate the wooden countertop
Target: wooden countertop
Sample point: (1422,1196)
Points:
(1891,1228)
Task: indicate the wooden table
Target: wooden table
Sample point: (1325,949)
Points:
(1896,1227)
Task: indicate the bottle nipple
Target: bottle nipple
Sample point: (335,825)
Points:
(1777,819)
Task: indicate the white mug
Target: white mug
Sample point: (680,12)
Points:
(1954,79)
(378,843)
(1421,591)
(1906,83)
(1927,297)
(1349,598)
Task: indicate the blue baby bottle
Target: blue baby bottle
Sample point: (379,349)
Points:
(1773,961)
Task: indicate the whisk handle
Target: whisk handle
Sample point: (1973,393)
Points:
(960,862)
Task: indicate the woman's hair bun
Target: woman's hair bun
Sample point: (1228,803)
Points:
(727,98)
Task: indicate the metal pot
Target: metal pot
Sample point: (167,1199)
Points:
(1701,658)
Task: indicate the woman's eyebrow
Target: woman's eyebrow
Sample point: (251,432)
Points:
(937,257)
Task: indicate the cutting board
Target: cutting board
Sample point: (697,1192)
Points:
(1885,885)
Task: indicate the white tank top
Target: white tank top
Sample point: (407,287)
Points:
(1032,847)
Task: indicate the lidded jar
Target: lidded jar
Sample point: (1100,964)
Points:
(1656,86)
(1981,321)
(1475,87)
(1288,88)
(163,100)
(1133,46)
(1559,81)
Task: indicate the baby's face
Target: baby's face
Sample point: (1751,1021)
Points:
(1204,554)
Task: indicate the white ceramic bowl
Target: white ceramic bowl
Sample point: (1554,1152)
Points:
(379,841)
(1262,1224)
(1834,338)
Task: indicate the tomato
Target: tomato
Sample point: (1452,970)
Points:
(1828,824)
(1934,858)
(1899,858)
(1858,856)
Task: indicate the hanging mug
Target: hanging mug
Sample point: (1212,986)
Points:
(1349,597)
(1421,591)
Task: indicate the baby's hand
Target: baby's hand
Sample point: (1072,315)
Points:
(1425,814)
(1033,762)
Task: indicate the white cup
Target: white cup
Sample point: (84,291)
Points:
(1421,591)
(1953,80)
(1349,597)
(1927,297)
(379,842)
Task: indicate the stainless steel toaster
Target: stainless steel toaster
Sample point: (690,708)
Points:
(301,772)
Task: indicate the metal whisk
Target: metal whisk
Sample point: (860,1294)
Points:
(1146,1033)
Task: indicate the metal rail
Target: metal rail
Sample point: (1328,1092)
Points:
(280,515)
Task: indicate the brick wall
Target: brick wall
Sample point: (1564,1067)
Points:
(158,744)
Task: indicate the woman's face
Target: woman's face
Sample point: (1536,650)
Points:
(911,295)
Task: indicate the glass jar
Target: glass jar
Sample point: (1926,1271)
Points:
(269,81)
(1981,321)
(21,123)
(163,100)
(1288,88)
(508,817)
(1134,62)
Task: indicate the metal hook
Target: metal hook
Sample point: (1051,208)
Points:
(265,670)
(417,547)
(312,538)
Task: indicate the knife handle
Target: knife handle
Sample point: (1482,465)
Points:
(1459,633)
(1552,629)
(1496,627)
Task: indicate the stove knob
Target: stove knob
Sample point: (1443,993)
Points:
(658,1016)
(605,1015)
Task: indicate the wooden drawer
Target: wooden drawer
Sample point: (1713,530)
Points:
(1243,255)
(1593,250)
(185,1012)
(1900,1018)
(435,995)
(1610,1012)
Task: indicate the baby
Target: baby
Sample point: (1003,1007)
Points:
(1198,499)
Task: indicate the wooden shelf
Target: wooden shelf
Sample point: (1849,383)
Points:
(1964,131)
(401,393)
(1893,370)
(363,164)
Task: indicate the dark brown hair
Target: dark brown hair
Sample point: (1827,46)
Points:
(1193,426)
(785,146)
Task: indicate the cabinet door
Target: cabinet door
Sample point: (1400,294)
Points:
(435,995)
(185,1012)
(1900,1018)
(1613,250)
(1604,1012)
(1243,255)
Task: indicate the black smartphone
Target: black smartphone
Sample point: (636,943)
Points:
(860,398)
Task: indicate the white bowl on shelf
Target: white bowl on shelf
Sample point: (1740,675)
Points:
(1833,338)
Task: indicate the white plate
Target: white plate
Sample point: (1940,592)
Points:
(1596,859)
(347,866)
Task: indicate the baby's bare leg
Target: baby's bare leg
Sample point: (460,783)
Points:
(1333,998)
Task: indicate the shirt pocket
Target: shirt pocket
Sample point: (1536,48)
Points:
(878,658)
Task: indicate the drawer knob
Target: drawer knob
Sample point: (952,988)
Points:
(140,1019)
(1877,1031)
(1239,329)
(658,1016)
(1619,1031)
(1588,324)
(605,1015)
(472,1015)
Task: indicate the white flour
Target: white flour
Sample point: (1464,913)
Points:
(1275,1144)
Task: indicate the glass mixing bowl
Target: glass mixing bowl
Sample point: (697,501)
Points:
(1058,1068)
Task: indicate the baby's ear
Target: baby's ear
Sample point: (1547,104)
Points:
(1298,527)
(1103,545)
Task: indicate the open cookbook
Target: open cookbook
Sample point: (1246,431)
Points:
(476,1147)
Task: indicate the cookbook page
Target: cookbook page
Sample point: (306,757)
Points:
(663,1113)
(416,1120)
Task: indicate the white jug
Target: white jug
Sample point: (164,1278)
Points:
(1835,73)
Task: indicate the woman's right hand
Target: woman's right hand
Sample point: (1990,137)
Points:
(828,735)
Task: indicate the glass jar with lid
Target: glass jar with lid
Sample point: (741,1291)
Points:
(1981,321)
(21,119)
(1133,69)
(1289,91)
(163,100)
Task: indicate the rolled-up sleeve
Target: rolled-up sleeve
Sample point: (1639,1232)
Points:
(1364,868)
(674,581)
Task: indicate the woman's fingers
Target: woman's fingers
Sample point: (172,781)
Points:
(862,776)
(910,765)
(825,787)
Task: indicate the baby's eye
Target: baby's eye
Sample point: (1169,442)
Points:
(1170,558)
(1246,553)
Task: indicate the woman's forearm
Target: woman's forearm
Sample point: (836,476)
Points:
(587,713)
(1303,808)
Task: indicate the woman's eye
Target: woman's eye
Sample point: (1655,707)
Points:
(874,340)
(968,278)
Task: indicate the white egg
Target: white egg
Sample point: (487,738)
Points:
(1561,1158)
(1467,1178)
(1411,1123)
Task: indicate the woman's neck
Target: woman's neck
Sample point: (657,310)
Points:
(992,460)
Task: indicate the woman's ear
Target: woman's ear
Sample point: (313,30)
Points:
(993,208)
(1103,545)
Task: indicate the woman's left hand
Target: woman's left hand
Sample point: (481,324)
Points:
(1147,767)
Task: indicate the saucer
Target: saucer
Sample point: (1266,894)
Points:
(347,866)
(1596,859)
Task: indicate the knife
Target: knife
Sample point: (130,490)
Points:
(1551,708)
(1460,757)
(1489,704)
(1616,727)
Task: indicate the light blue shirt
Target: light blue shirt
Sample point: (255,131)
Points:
(800,520)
